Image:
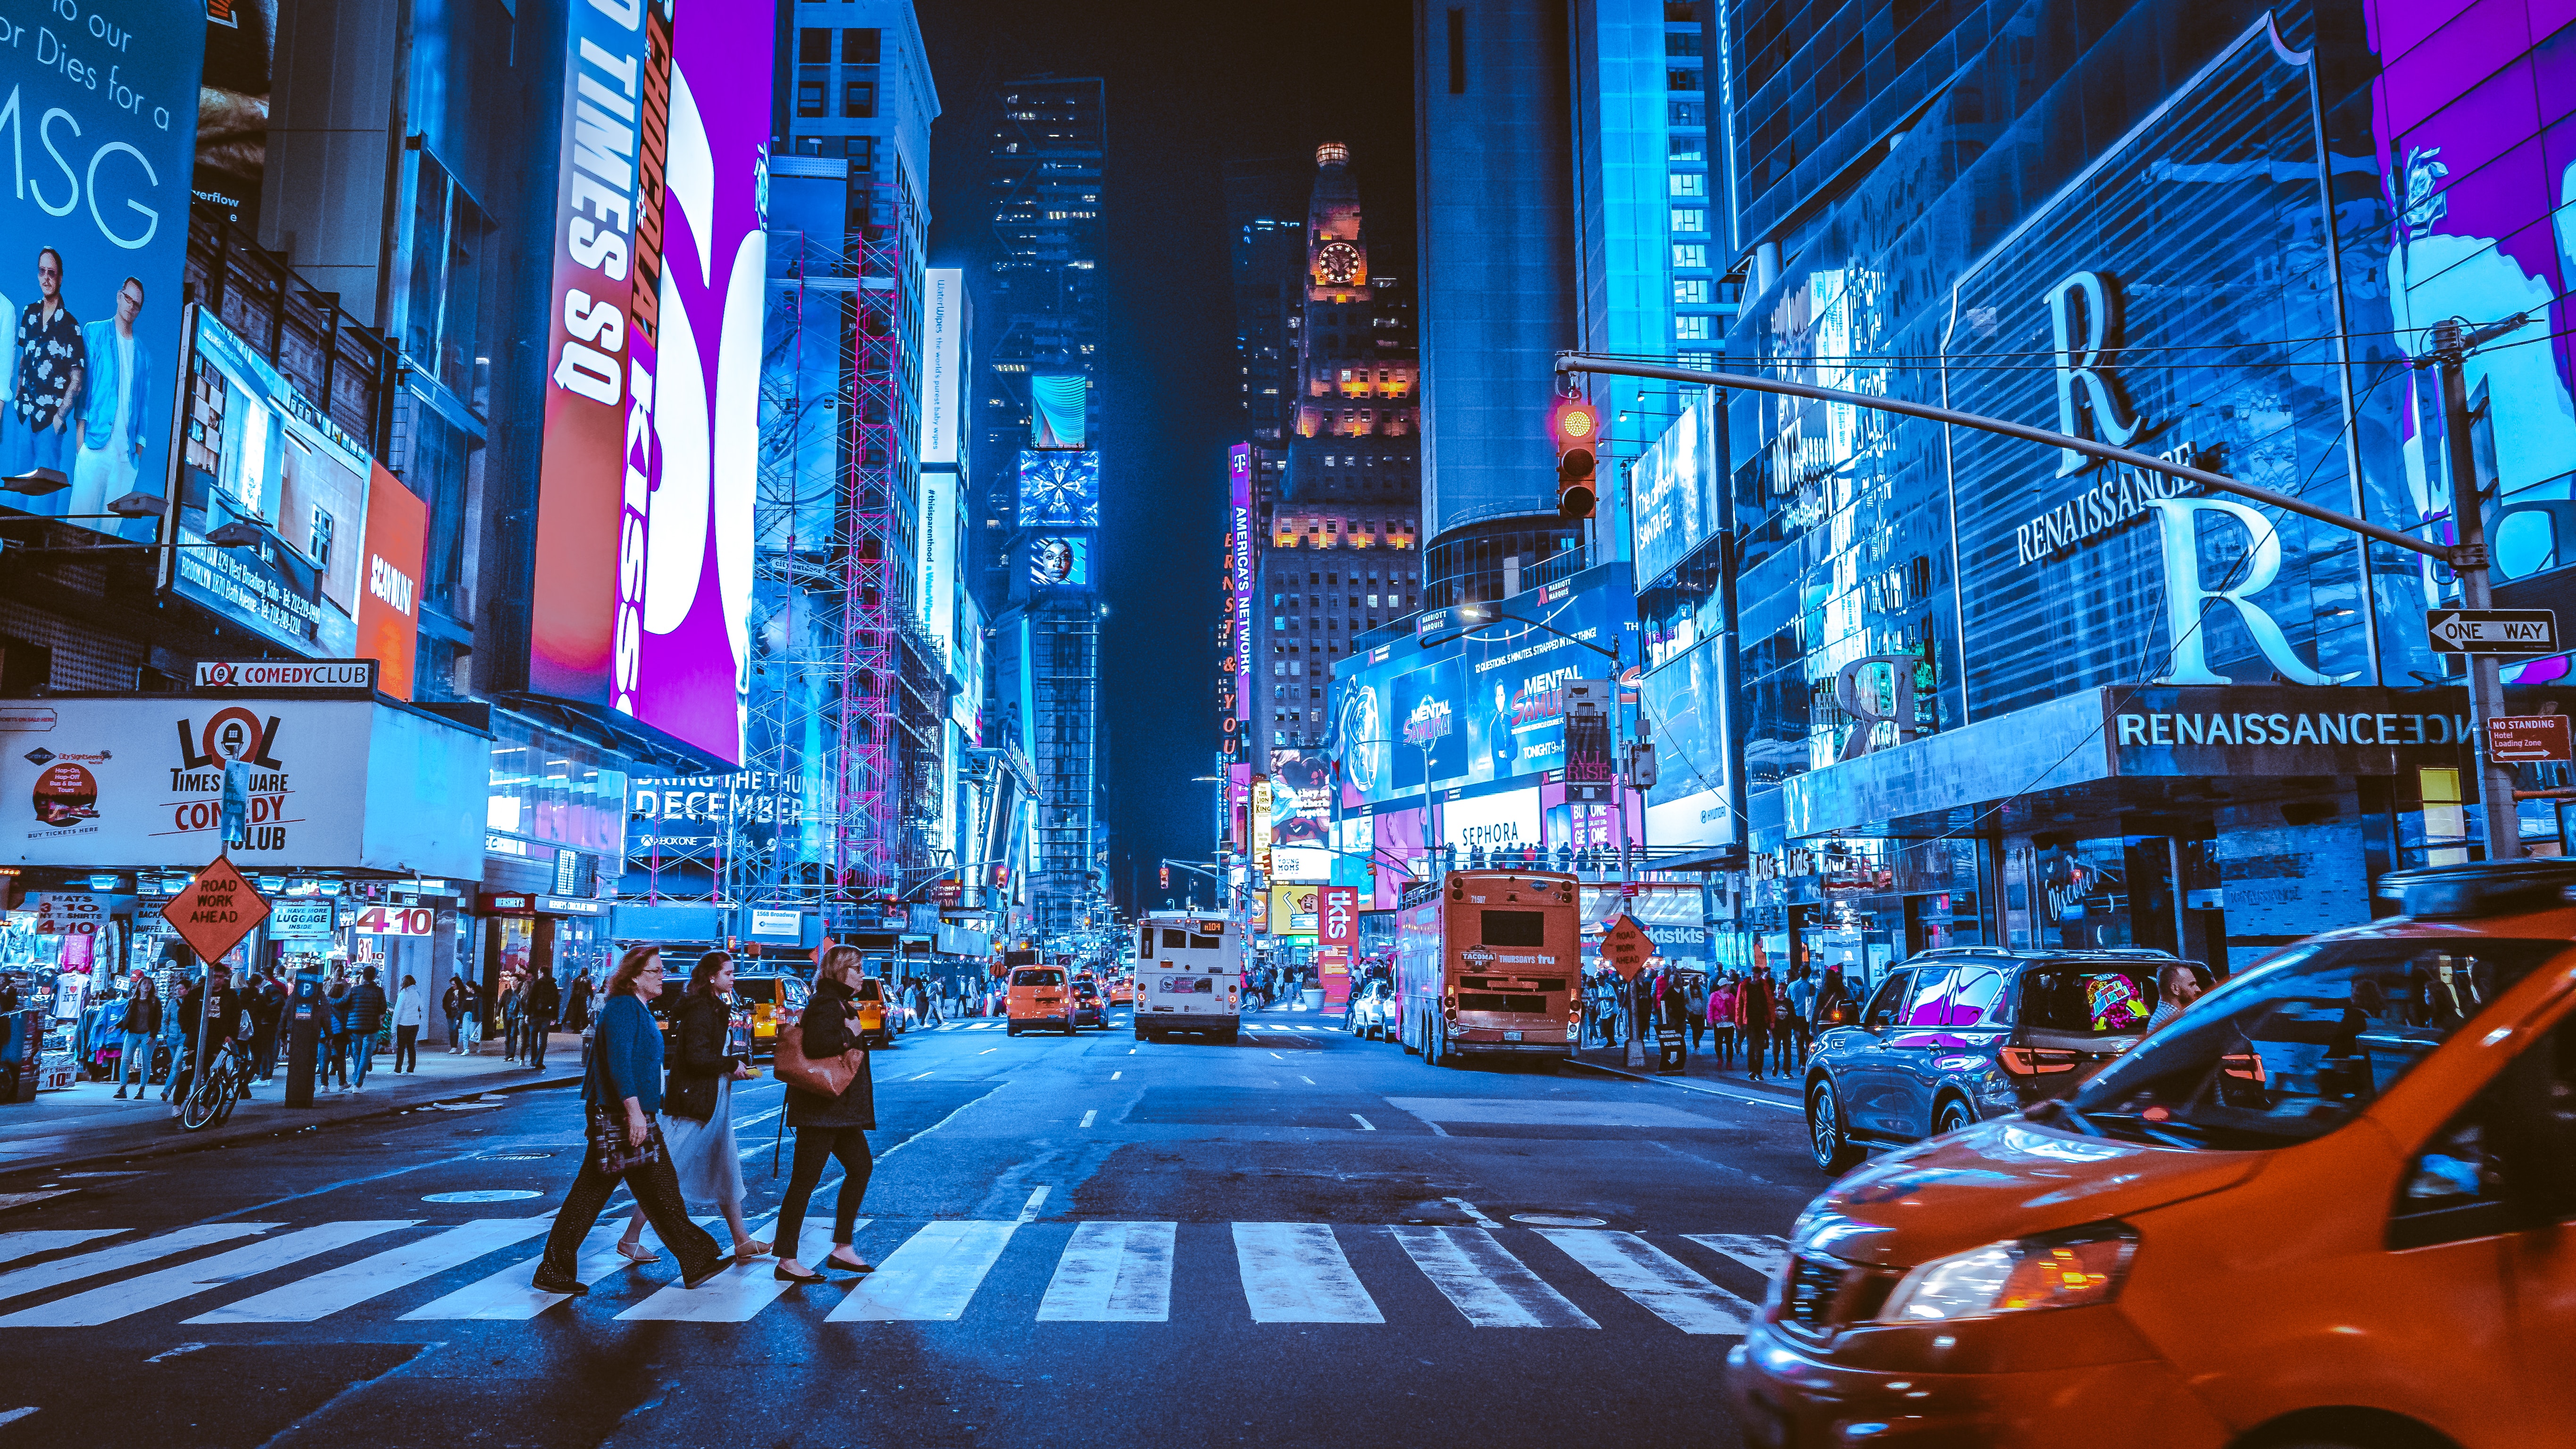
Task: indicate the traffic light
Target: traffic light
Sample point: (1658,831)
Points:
(1167,877)
(1577,426)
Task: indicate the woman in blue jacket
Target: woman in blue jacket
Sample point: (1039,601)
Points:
(625,1084)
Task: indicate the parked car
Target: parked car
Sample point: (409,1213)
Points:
(2327,1206)
(1958,1035)
(1367,1014)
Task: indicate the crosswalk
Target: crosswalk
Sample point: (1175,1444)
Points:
(1490,1275)
(996,1024)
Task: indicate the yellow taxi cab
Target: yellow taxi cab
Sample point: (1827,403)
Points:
(2332,1205)
(871,998)
(1122,989)
(1037,996)
(773,1001)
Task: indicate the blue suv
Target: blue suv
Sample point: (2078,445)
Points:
(1961,1034)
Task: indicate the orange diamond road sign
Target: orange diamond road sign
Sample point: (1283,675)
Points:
(216,910)
(1626,947)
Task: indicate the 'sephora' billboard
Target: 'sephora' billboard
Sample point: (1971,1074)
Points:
(643,543)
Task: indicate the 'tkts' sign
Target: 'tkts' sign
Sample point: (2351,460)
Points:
(216,910)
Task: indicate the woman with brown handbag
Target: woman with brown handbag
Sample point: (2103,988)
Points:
(619,1097)
(831,1103)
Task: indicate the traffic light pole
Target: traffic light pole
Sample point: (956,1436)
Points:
(2466,558)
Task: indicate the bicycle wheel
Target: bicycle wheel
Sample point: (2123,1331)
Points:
(204,1105)
(231,1098)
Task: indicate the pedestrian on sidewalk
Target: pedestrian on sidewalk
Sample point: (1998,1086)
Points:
(1695,1004)
(539,1002)
(514,995)
(1721,1018)
(697,1109)
(267,1020)
(1754,1014)
(212,992)
(829,1128)
(619,1097)
(471,1044)
(1801,995)
(333,1058)
(577,1003)
(1833,1005)
(453,1003)
(140,1029)
(411,1013)
(366,1018)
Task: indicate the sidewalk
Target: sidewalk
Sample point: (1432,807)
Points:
(1700,1073)
(85,1122)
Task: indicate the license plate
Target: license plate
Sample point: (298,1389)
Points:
(1511,1036)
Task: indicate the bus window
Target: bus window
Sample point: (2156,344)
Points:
(1145,944)
(1206,943)
(1176,940)
(1515,928)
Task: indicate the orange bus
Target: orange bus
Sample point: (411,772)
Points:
(1490,961)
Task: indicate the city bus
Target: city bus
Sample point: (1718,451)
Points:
(1189,975)
(1490,961)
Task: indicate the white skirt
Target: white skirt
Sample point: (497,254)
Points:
(702,1153)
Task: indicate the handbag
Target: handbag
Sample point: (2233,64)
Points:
(618,1153)
(828,1077)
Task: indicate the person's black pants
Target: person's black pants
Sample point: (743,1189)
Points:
(657,1189)
(406,1048)
(1757,1047)
(537,1031)
(814,1147)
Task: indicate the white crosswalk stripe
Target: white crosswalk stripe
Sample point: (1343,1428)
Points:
(1104,1272)
(1764,1255)
(113,1301)
(933,1276)
(1489,1285)
(324,1294)
(1654,1279)
(1112,1273)
(124,1255)
(1295,1273)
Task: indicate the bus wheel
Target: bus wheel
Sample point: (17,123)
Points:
(1412,1046)
(1431,1039)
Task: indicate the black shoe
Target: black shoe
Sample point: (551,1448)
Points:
(783,1276)
(712,1268)
(550,1281)
(836,1261)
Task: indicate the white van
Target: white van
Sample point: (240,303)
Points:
(1189,975)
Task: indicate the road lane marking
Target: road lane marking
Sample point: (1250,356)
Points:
(931,1278)
(1309,1081)
(1471,1210)
(1112,1273)
(1485,1282)
(988,1051)
(124,1255)
(511,1295)
(1365,1124)
(927,1074)
(350,1284)
(742,1289)
(1114,1076)
(135,1295)
(1763,1254)
(1029,1209)
(14,1246)
(14,1415)
(763,1117)
(1653,1279)
(1275,1054)
(1295,1273)
(1089,1116)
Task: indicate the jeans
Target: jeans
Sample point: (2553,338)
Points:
(537,1033)
(1757,1046)
(331,1056)
(136,1060)
(510,1038)
(814,1147)
(406,1049)
(263,1050)
(657,1189)
(456,1032)
(1805,1031)
(362,1049)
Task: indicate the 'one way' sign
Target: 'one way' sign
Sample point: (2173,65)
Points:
(2493,631)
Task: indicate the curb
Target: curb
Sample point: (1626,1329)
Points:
(1744,1095)
(187,1142)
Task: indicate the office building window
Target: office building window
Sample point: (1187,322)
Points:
(1689,183)
(814,47)
(809,98)
(1689,219)
(1688,113)
(1689,148)
(1690,254)
(859,47)
(1690,291)
(1691,329)
(1695,359)
(858,100)
(1681,80)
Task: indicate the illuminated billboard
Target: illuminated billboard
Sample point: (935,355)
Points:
(1056,409)
(943,385)
(1059,490)
(95,221)
(935,560)
(1060,561)
(642,581)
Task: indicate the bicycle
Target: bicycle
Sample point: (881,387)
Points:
(212,1095)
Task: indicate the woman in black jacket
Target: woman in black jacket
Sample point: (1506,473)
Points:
(829,1127)
(697,1108)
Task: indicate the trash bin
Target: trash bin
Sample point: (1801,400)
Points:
(1669,1058)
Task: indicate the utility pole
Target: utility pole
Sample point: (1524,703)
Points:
(2452,341)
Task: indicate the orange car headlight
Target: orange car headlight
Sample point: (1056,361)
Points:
(2070,1269)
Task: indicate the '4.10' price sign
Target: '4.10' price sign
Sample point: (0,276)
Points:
(395,921)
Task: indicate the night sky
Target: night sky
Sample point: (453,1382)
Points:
(1190,87)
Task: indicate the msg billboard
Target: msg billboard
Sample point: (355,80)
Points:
(642,583)
(98,130)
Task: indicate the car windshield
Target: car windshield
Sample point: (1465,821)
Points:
(756,990)
(2293,1049)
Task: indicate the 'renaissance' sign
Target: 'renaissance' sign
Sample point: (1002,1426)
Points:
(2285,730)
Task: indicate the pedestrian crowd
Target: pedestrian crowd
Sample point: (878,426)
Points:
(1767,1024)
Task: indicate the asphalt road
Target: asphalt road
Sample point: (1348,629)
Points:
(1298,1239)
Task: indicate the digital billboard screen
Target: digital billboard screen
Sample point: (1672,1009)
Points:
(1060,561)
(1674,485)
(943,386)
(1056,411)
(95,213)
(259,452)
(1059,490)
(642,584)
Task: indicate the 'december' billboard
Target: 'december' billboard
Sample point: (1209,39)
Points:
(642,582)
(100,116)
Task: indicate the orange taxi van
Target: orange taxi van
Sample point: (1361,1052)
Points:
(2331,1206)
(1038,997)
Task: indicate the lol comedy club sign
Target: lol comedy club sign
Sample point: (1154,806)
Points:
(106,783)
